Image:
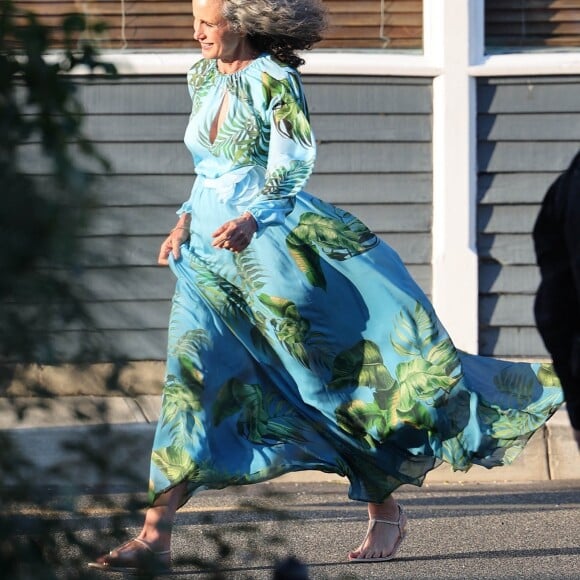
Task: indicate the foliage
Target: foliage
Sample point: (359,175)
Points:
(41,217)
(51,531)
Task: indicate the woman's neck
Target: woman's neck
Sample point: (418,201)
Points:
(233,66)
(243,57)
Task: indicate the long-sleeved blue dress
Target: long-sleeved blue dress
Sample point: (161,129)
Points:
(313,348)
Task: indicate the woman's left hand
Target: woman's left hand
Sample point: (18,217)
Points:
(235,235)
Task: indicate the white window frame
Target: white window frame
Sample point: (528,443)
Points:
(454,57)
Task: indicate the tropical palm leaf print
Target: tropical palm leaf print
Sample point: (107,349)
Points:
(226,298)
(422,383)
(515,386)
(235,139)
(453,413)
(414,332)
(364,235)
(293,331)
(186,349)
(547,376)
(174,462)
(286,180)
(251,280)
(307,259)
(179,398)
(200,80)
(289,118)
(181,405)
(362,366)
(358,418)
(240,131)
(264,418)
(423,380)
(250,272)
(453,452)
(513,423)
(339,239)
(433,368)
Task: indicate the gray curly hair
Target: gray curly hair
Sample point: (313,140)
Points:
(278,27)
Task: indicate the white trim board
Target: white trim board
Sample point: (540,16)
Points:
(363,63)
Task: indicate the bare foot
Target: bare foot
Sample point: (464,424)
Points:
(383,538)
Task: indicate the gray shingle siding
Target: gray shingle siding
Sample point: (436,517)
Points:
(528,131)
(374,159)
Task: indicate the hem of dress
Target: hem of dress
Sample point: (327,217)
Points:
(216,486)
(191,491)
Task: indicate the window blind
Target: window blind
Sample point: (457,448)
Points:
(532,23)
(155,24)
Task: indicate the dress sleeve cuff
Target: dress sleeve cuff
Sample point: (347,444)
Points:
(270,213)
(185,208)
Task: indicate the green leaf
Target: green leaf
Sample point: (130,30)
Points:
(226,402)
(423,379)
(548,403)
(453,452)
(356,417)
(200,83)
(226,298)
(547,376)
(287,179)
(360,366)
(290,119)
(453,412)
(291,329)
(181,397)
(419,416)
(250,272)
(307,259)
(174,462)
(415,332)
(278,306)
(517,384)
(337,239)
(444,354)
(513,424)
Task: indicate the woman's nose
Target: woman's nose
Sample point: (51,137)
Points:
(198,31)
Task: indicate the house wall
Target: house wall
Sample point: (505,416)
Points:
(374,159)
(528,131)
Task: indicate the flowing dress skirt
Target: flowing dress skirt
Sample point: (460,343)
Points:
(315,349)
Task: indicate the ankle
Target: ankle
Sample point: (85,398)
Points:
(388,510)
(158,542)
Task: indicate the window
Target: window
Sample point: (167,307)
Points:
(515,25)
(376,24)
(159,24)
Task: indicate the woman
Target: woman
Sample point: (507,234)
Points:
(297,339)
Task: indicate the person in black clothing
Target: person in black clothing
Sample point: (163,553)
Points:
(557,306)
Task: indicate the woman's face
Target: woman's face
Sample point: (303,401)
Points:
(212,31)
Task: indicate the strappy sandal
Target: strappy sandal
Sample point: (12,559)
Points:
(144,560)
(402,534)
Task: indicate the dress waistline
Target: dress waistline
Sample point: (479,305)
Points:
(238,187)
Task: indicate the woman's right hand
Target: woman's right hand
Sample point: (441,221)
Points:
(172,243)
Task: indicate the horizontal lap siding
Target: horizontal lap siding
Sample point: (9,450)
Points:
(528,131)
(374,159)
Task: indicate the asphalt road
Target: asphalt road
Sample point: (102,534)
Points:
(478,531)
